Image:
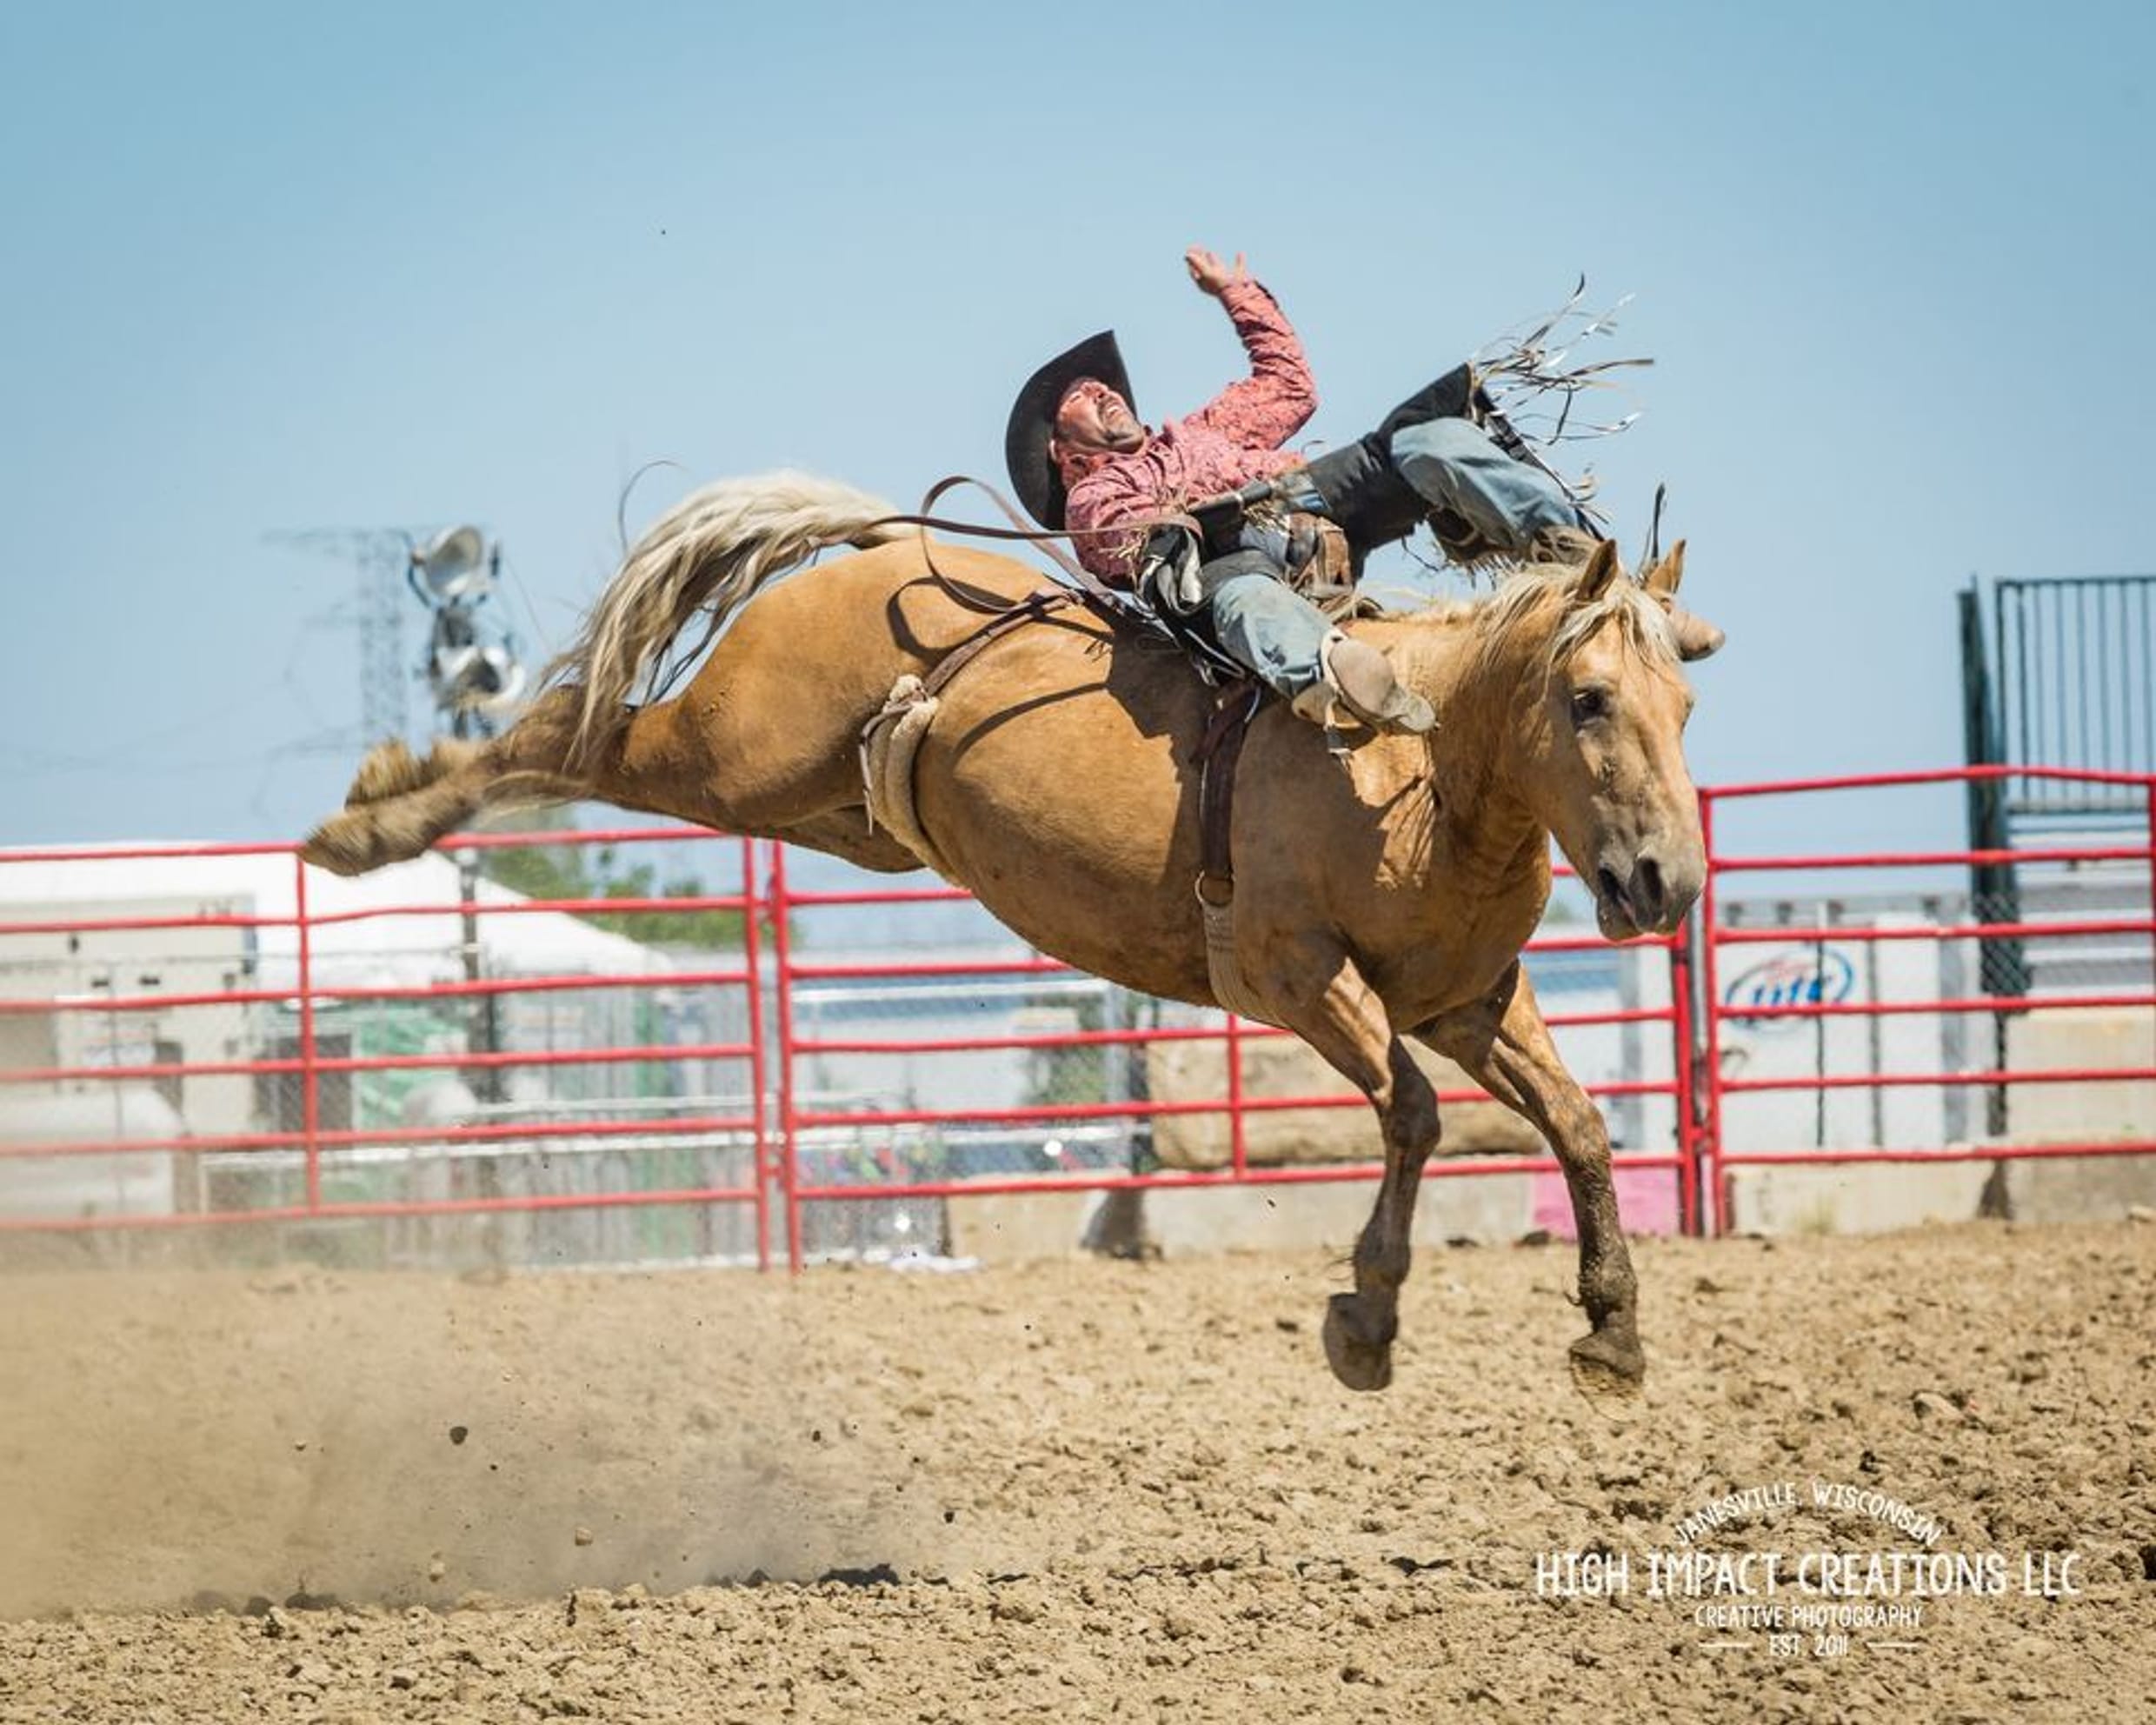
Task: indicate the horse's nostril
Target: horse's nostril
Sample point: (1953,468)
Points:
(1647,877)
(1608,888)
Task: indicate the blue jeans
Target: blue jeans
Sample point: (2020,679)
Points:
(1453,464)
(1436,465)
(1380,491)
(1263,624)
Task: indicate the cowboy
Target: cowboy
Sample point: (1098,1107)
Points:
(1083,462)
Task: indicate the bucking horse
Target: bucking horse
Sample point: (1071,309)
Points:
(1380,894)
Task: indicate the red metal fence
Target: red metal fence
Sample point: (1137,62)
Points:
(809,1183)
(215,1034)
(248,1107)
(2023,960)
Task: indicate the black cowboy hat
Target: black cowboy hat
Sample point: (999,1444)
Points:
(1033,472)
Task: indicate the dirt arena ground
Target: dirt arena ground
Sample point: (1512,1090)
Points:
(1083,1490)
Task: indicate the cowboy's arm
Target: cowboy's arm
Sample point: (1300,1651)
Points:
(1104,498)
(1268,406)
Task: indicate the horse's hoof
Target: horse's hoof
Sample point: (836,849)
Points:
(1604,1365)
(1356,1360)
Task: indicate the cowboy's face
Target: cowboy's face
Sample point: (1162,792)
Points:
(1094,417)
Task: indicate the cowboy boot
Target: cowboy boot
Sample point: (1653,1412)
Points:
(1361,679)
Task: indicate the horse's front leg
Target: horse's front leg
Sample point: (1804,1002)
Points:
(1505,1047)
(1340,1017)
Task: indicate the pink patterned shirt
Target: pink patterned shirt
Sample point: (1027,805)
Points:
(1233,439)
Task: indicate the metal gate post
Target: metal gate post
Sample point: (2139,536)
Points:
(1238,1139)
(759,1065)
(310,1071)
(782,964)
(1684,1052)
(2148,797)
(1709,1076)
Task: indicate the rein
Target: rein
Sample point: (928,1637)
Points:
(1095,592)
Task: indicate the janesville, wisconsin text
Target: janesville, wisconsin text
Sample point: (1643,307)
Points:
(1757,1502)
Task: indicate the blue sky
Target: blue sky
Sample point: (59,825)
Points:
(275,267)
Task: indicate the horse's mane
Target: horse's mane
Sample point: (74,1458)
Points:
(1526,591)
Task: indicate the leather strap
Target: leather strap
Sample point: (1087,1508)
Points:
(1031,608)
(1101,595)
(1219,748)
(893,735)
(1218,751)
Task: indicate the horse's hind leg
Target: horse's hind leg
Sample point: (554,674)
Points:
(1505,1047)
(1350,1029)
(673,758)
(401,803)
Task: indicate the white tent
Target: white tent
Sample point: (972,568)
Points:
(372,950)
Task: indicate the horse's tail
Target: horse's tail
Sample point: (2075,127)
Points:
(709,553)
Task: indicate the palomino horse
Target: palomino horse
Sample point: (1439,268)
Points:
(1382,895)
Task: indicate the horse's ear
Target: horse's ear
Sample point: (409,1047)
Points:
(1661,581)
(1602,570)
(1696,636)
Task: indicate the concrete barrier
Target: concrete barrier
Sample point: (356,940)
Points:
(1282,1066)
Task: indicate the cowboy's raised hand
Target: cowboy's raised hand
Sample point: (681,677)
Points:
(1210,274)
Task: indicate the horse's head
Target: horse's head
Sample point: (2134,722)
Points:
(1604,729)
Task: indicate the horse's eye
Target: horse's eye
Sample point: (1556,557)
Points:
(1589,704)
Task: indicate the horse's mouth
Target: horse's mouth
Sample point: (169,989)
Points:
(1614,914)
(1649,902)
(1614,922)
